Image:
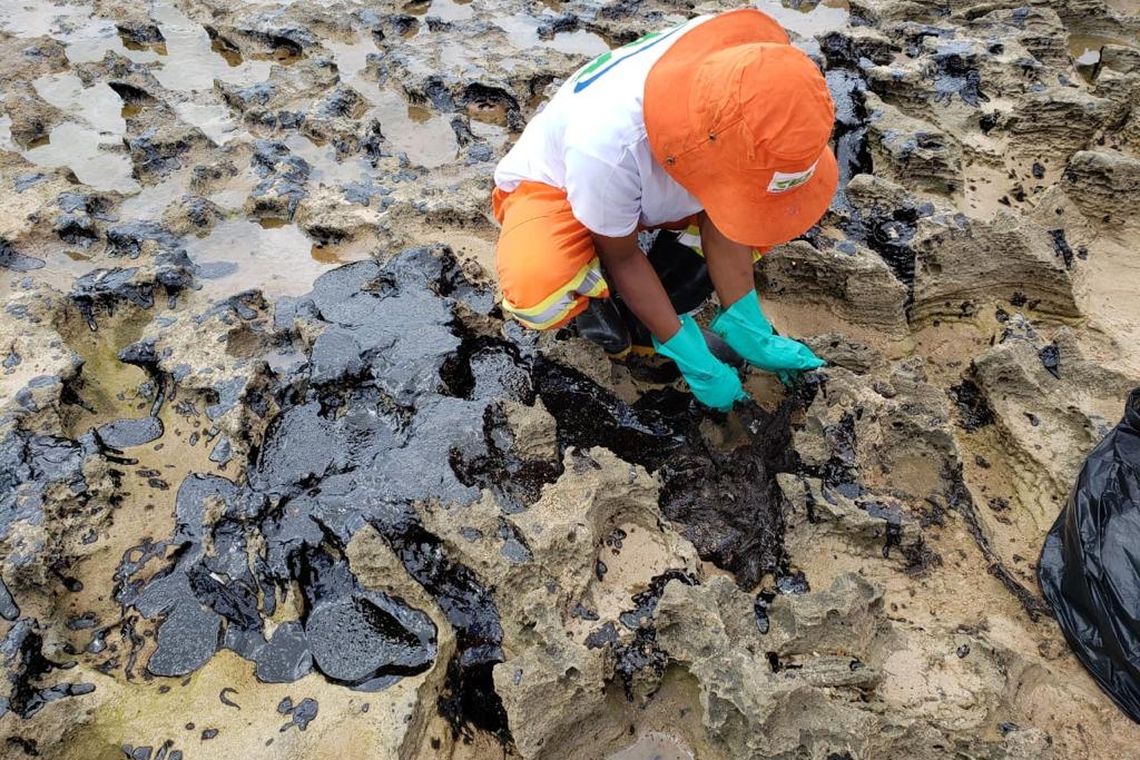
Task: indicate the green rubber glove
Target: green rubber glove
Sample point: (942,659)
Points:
(714,383)
(747,331)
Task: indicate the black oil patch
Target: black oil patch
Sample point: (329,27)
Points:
(974,411)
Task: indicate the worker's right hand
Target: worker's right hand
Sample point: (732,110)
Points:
(714,383)
(747,331)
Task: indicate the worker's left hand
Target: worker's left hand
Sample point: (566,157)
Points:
(747,331)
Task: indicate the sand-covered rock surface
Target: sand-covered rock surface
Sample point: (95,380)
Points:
(278,481)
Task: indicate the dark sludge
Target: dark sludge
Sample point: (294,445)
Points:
(728,504)
(21,653)
(364,639)
(125,433)
(641,652)
(589,416)
(846,83)
(30,466)
(377,417)
(886,230)
(974,410)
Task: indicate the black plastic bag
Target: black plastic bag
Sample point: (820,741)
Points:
(1090,565)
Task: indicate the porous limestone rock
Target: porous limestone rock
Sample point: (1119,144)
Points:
(1104,186)
(856,286)
(960,265)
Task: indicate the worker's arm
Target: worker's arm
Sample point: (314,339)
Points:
(713,382)
(630,273)
(729,262)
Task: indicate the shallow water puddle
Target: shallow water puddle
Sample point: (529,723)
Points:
(494,134)
(87,37)
(522,30)
(231,194)
(94,41)
(808,20)
(351,57)
(654,746)
(88,154)
(91,147)
(151,201)
(38,18)
(426,137)
(213,119)
(1085,48)
(192,62)
(629,555)
(97,105)
(107,386)
(325,168)
(62,266)
(450,10)
(241,254)
(426,141)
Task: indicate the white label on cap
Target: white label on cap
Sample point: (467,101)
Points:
(785,181)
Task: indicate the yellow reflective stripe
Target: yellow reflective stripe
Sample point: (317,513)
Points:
(551,316)
(559,317)
(693,241)
(583,282)
(588,282)
(692,238)
(599,287)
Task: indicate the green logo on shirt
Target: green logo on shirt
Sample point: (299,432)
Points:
(611,58)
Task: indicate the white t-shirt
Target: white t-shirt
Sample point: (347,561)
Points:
(590,140)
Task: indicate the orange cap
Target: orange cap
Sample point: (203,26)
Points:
(741,119)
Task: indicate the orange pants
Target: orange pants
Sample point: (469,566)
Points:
(548,268)
(545,257)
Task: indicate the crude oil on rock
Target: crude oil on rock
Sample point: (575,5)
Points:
(279,481)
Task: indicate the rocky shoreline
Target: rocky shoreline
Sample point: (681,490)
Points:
(279,481)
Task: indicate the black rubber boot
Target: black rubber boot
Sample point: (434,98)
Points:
(682,271)
(602,323)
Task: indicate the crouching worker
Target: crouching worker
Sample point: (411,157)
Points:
(717,129)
